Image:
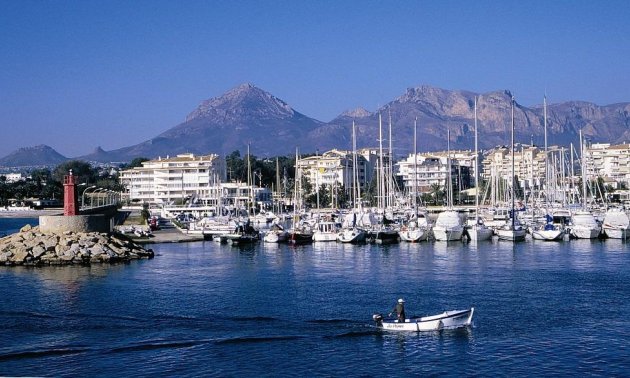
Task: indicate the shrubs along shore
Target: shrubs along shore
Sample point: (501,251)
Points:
(31,247)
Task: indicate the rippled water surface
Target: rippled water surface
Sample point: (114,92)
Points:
(209,309)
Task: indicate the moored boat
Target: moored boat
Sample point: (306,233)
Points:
(584,226)
(616,224)
(448,226)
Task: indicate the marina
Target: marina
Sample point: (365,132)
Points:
(269,308)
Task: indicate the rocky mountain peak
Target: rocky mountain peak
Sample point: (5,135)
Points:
(245,100)
(359,112)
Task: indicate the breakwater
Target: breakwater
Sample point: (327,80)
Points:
(32,247)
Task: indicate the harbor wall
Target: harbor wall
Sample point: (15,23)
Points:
(75,223)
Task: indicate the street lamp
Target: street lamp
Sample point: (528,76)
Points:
(83,194)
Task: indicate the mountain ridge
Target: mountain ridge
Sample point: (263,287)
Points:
(247,114)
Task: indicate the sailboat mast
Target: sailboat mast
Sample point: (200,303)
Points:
(513,181)
(415,166)
(583,158)
(355,168)
(249,184)
(390,173)
(449,198)
(547,180)
(381,184)
(476,169)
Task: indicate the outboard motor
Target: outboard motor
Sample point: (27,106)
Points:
(378,318)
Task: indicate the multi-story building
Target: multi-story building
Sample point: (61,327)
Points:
(335,168)
(174,179)
(529,165)
(433,169)
(611,162)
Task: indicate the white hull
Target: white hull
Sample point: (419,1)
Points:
(511,235)
(585,232)
(480,233)
(548,235)
(276,237)
(445,320)
(616,224)
(448,234)
(617,233)
(324,236)
(414,235)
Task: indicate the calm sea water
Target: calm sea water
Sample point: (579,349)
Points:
(11,225)
(202,309)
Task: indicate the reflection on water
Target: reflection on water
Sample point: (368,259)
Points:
(269,309)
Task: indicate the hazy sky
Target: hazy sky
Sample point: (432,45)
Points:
(79,74)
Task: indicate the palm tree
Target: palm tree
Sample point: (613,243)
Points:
(437,193)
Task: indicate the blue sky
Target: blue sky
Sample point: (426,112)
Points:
(79,74)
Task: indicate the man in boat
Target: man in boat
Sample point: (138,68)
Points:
(399,309)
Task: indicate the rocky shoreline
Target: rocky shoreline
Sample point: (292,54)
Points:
(30,247)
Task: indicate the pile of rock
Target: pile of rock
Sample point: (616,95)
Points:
(32,247)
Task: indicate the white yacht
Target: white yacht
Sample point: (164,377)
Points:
(448,226)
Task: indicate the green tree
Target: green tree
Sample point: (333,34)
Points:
(437,194)
(83,170)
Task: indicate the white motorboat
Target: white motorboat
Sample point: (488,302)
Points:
(584,225)
(445,320)
(616,224)
(326,231)
(448,226)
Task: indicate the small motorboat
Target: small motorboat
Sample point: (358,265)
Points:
(445,320)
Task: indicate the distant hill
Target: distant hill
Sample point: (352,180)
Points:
(247,114)
(33,156)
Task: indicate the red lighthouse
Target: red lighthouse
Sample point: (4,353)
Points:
(70,197)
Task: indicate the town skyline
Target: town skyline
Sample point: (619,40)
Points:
(84,75)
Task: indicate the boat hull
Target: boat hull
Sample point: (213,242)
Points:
(446,320)
(353,235)
(481,233)
(585,232)
(447,234)
(548,235)
(511,235)
(414,235)
(616,233)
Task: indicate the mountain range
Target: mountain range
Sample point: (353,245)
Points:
(249,115)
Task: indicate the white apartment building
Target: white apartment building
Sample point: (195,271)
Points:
(335,168)
(611,162)
(432,169)
(172,179)
(529,165)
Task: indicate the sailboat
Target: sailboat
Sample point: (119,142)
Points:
(350,231)
(583,222)
(448,225)
(300,233)
(478,231)
(383,233)
(417,228)
(549,231)
(512,231)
